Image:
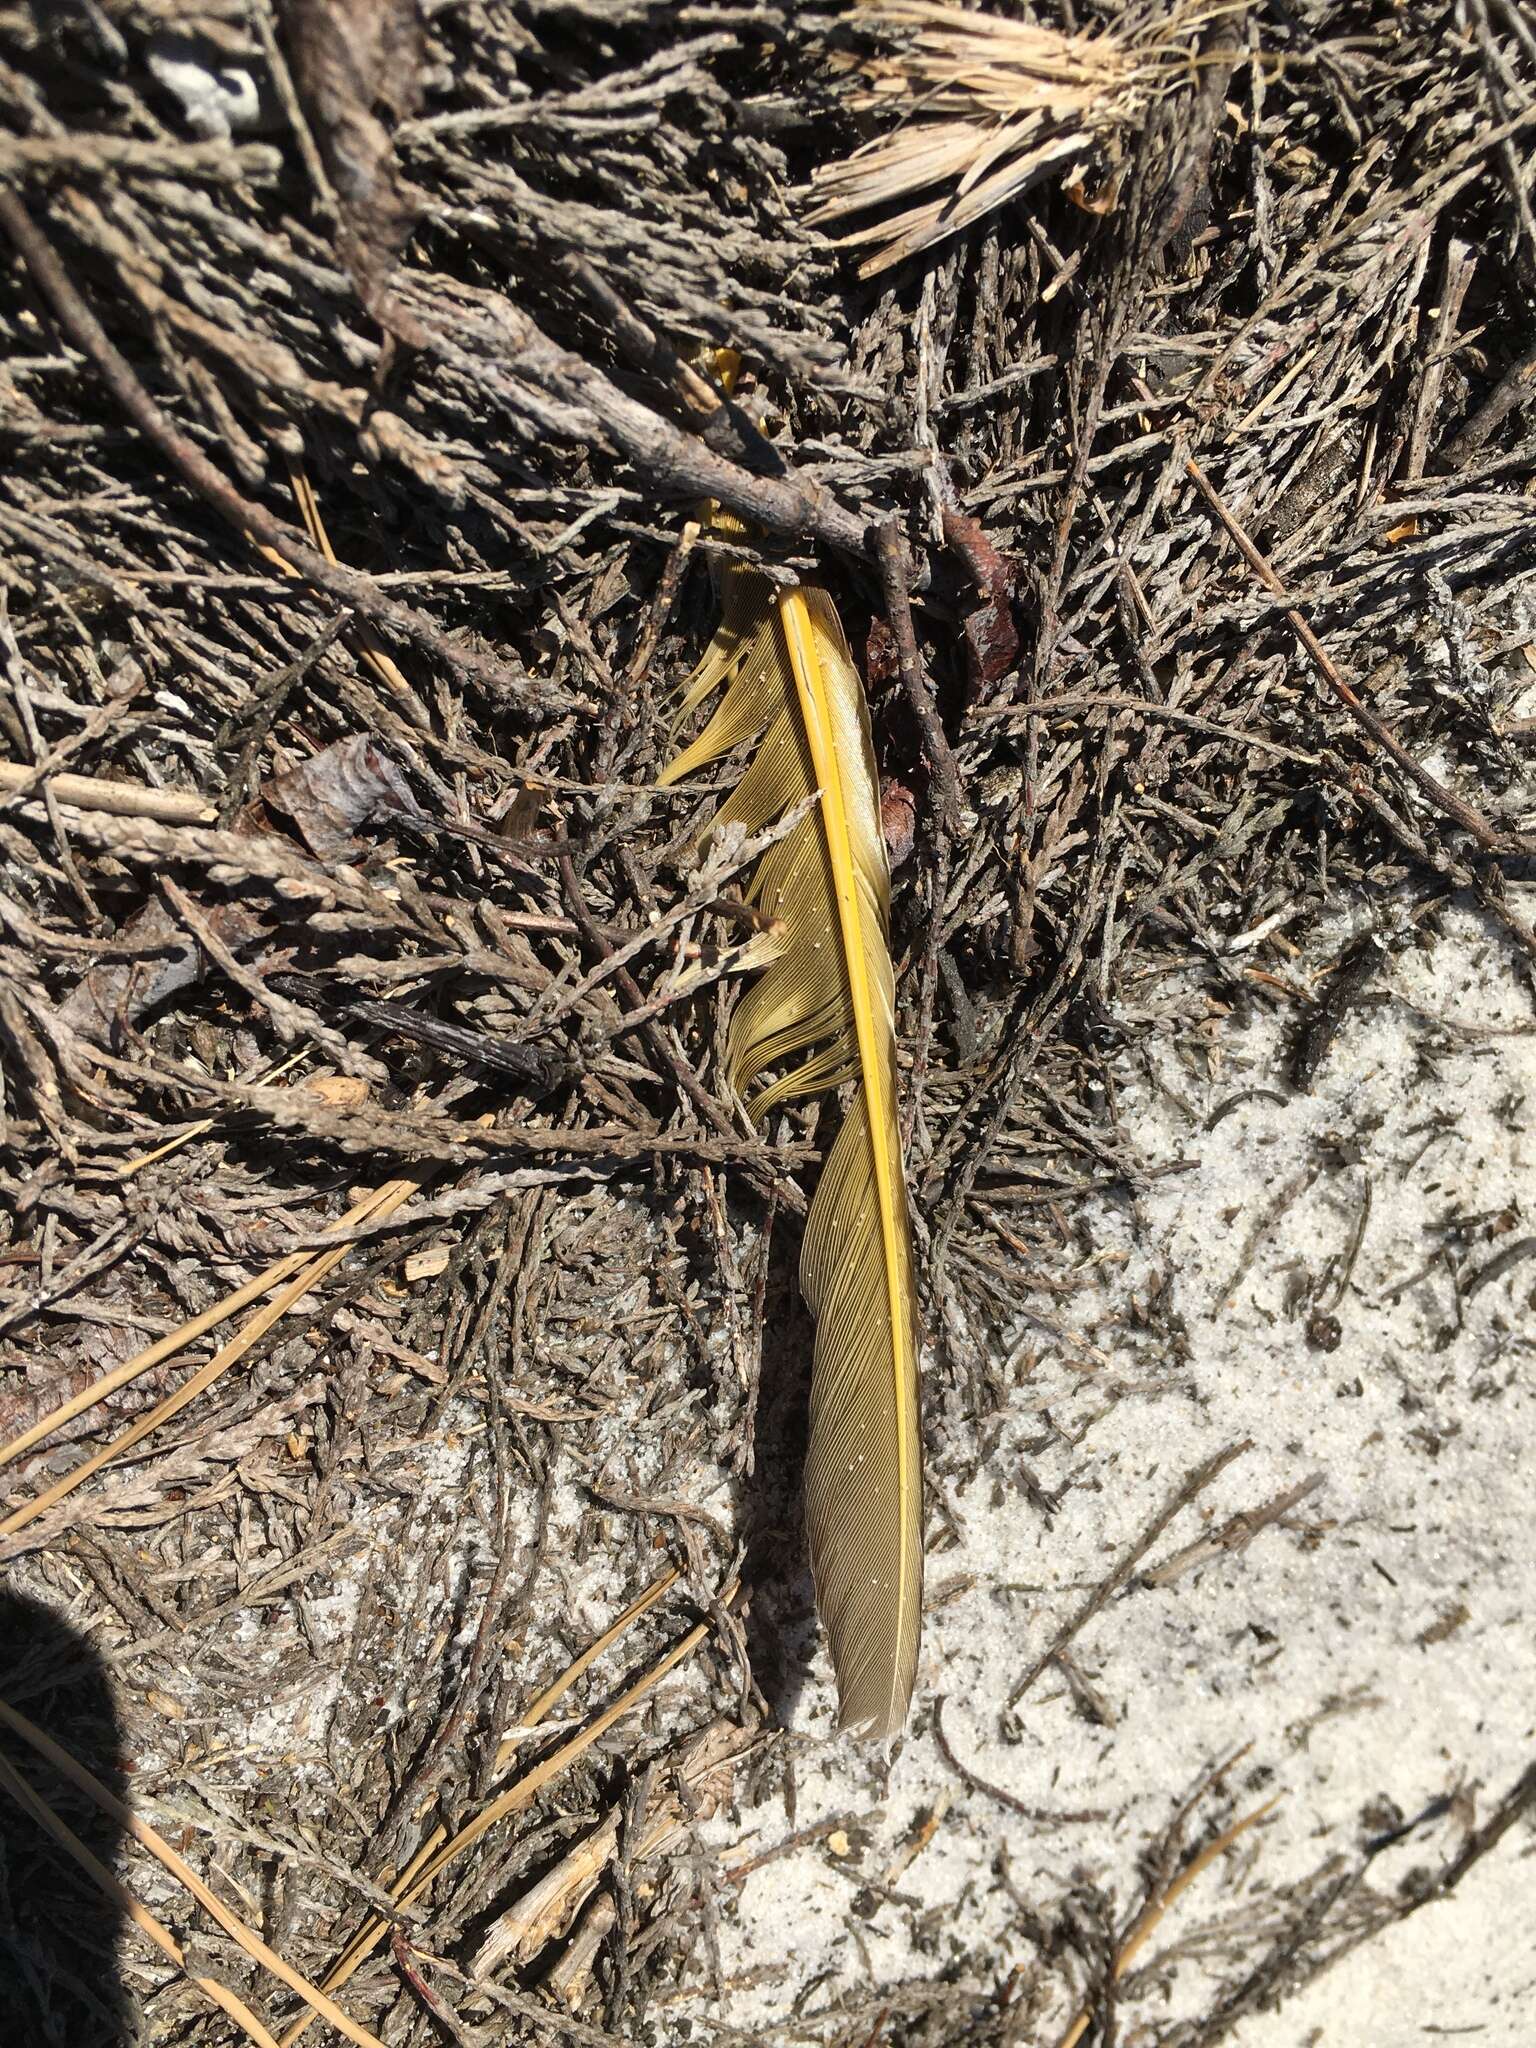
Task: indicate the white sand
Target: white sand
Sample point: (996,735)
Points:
(1316,1645)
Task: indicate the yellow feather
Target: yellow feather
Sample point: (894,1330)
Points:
(826,1005)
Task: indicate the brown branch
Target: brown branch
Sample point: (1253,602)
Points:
(403,1953)
(1193,1484)
(433,1136)
(1515,388)
(1234,1536)
(290,1021)
(681,464)
(1520,1799)
(579,399)
(722,423)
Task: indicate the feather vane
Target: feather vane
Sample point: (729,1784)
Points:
(822,1013)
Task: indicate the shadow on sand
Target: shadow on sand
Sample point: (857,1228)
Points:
(781,1626)
(59,1981)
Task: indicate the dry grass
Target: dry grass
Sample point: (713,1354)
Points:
(986,107)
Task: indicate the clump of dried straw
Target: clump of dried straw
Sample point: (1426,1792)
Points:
(989,106)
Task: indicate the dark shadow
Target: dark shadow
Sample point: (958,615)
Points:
(59,1981)
(781,1624)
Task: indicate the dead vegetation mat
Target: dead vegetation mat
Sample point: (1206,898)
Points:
(1182,522)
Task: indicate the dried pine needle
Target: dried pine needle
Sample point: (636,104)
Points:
(162,1851)
(202,1126)
(137,1915)
(438,1851)
(552,1694)
(368,646)
(1153,1912)
(309,1270)
(163,1348)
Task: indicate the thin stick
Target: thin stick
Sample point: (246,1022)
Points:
(140,1916)
(97,793)
(159,1848)
(1192,1484)
(383,1202)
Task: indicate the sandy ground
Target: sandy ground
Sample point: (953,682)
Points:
(1366,1653)
(1372,1651)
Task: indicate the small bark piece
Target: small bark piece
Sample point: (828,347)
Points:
(350,59)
